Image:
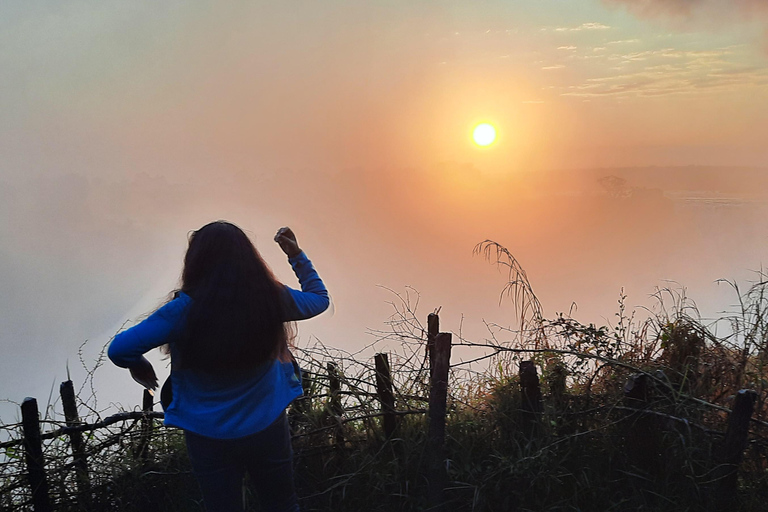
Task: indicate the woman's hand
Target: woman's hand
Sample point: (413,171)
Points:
(143,373)
(287,241)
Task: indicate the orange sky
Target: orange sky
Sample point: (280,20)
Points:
(232,85)
(125,125)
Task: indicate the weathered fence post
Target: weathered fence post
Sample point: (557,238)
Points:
(306,383)
(304,403)
(67,392)
(557,385)
(33,449)
(334,387)
(643,435)
(438,394)
(433,328)
(556,382)
(385,392)
(146,426)
(636,391)
(530,392)
(732,449)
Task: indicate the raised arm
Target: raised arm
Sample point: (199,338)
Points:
(313,298)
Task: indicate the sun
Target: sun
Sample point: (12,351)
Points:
(484,134)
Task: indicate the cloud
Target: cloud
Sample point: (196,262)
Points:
(566,47)
(671,72)
(593,26)
(583,26)
(670,53)
(692,8)
(709,14)
(660,7)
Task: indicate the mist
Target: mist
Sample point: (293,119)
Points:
(125,127)
(89,255)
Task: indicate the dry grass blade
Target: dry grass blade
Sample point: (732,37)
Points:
(528,309)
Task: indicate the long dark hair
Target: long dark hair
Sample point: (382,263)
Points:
(235,319)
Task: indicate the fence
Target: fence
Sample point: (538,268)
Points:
(642,422)
(32,438)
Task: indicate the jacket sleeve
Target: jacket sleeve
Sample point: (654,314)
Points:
(313,298)
(128,346)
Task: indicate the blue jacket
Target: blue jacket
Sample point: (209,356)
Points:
(236,404)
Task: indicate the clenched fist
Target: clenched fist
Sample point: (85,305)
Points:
(287,242)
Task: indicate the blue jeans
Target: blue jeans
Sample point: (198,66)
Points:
(220,465)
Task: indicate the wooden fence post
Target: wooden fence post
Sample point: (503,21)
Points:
(433,328)
(304,403)
(334,387)
(644,437)
(306,385)
(33,449)
(438,393)
(556,382)
(530,392)
(67,392)
(385,392)
(732,449)
(557,385)
(636,391)
(147,405)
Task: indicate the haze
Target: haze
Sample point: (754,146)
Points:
(124,125)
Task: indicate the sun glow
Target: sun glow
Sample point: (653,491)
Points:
(484,134)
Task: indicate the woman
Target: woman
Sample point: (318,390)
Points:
(231,372)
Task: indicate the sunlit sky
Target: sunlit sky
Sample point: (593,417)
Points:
(123,125)
(577,83)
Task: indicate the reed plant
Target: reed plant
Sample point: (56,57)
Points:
(633,415)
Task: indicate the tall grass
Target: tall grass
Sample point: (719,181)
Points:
(594,446)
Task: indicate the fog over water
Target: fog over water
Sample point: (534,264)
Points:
(82,255)
(125,125)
